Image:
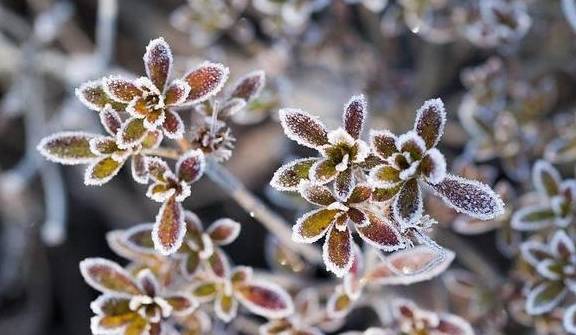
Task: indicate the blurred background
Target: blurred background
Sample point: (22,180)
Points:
(489,58)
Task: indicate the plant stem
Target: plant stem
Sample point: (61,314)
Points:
(569,9)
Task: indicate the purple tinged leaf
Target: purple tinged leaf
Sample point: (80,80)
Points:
(382,143)
(182,304)
(337,251)
(120,89)
(470,197)
(408,204)
(344,184)
(265,299)
(218,264)
(561,245)
(430,122)
(68,148)
(359,194)
(177,93)
(139,168)
(305,129)
(354,115)
(249,86)
(173,125)
(108,277)
(158,169)
(158,62)
(110,119)
(316,194)
(433,166)
(224,231)
(139,238)
(380,233)
(205,81)
(148,282)
(169,229)
(190,166)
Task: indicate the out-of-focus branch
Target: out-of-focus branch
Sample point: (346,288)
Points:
(569,9)
(106,30)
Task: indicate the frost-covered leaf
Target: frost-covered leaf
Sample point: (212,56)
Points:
(139,238)
(218,264)
(92,95)
(544,297)
(316,194)
(177,93)
(190,166)
(433,166)
(103,145)
(323,171)
(108,277)
(359,194)
(101,171)
(380,233)
(569,319)
(204,292)
(120,89)
(382,143)
(561,150)
(561,245)
(382,194)
(182,304)
(412,143)
(265,299)
(158,61)
(241,274)
(139,168)
(288,176)
(385,176)
(430,122)
(225,306)
(354,115)
(249,86)
(173,125)
(68,147)
(131,133)
(534,252)
(470,197)
(190,264)
(344,184)
(337,251)
(339,304)
(546,178)
(533,218)
(205,81)
(303,128)
(231,107)
(110,119)
(223,231)
(153,139)
(313,225)
(408,204)
(113,312)
(452,324)
(169,229)
(158,169)
(405,267)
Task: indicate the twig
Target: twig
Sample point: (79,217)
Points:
(569,10)
(106,30)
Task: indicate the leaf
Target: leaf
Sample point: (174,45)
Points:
(338,305)
(103,145)
(288,176)
(544,297)
(546,178)
(101,171)
(313,225)
(231,107)
(380,233)
(337,251)
(249,86)
(344,184)
(152,140)
(561,150)
(148,282)
(265,299)
(433,166)
(223,231)
(169,229)
(532,218)
(218,264)
(131,133)
(68,147)
(470,197)
(158,169)
(139,238)
(190,166)
(108,277)
(384,176)
(316,194)
(305,129)
(226,307)
(120,89)
(430,122)
(241,274)
(139,169)
(359,194)
(409,266)
(204,292)
(92,95)
(182,304)
(323,171)
(386,194)
(205,81)
(190,264)
(534,252)
(452,324)
(110,119)
(158,61)
(412,143)
(408,204)
(354,115)
(569,319)
(382,143)
(173,125)
(561,245)
(177,93)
